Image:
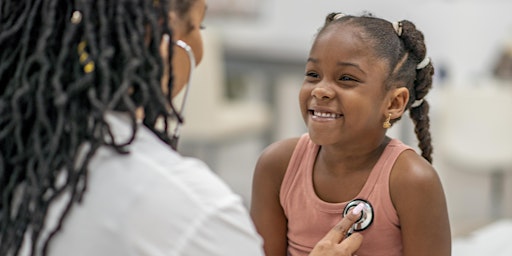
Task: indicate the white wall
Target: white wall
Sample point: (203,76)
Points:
(463,35)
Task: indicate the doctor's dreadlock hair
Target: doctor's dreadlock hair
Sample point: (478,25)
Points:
(403,47)
(63,65)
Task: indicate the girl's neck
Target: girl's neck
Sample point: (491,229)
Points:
(358,158)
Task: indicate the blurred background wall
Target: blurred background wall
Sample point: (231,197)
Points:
(260,50)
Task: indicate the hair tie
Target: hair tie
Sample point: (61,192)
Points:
(397,25)
(423,63)
(338,16)
(417,103)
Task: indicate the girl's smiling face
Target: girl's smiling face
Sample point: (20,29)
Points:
(343,95)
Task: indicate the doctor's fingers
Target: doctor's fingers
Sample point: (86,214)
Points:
(338,232)
(350,245)
(330,248)
(164,47)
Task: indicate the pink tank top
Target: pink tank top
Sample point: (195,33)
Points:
(310,218)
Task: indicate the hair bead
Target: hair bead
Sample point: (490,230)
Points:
(423,63)
(397,25)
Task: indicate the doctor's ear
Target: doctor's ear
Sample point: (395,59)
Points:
(173,17)
(180,25)
(398,98)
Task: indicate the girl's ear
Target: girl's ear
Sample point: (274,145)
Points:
(397,102)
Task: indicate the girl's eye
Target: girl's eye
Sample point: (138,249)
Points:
(312,74)
(201,27)
(347,78)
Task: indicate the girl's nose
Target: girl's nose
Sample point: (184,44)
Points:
(322,92)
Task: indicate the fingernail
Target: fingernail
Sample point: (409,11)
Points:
(357,210)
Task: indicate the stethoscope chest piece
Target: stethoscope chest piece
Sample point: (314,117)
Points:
(366,218)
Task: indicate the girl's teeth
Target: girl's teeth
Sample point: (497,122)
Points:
(328,115)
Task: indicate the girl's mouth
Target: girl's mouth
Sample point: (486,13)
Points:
(328,115)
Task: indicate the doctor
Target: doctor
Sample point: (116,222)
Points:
(83,168)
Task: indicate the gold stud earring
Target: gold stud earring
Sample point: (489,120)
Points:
(386,123)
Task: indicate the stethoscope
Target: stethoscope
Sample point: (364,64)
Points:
(366,218)
(179,113)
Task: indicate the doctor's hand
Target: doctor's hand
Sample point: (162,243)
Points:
(335,242)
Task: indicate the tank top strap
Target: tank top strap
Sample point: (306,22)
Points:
(382,170)
(301,152)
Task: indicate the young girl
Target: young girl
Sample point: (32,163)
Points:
(362,74)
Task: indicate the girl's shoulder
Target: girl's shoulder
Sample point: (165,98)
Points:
(278,153)
(411,167)
(418,197)
(411,177)
(274,159)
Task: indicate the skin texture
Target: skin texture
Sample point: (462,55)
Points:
(344,77)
